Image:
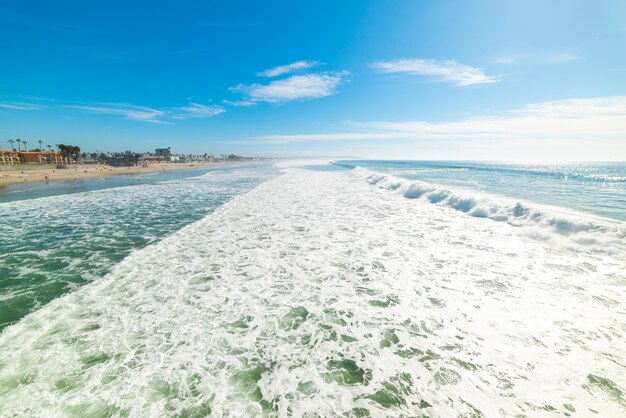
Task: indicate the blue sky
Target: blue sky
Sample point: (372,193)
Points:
(530,80)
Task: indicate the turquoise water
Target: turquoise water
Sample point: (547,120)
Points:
(23,191)
(57,237)
(389,289)
(595,188)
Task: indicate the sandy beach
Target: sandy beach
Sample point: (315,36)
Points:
(30,174)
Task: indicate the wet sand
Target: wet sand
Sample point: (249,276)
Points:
(29,174)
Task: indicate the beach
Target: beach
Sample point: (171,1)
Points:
(30,174)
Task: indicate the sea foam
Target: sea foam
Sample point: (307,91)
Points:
(542,221)
(316,294)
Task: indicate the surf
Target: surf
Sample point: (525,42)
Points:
(544,222)
(315,292)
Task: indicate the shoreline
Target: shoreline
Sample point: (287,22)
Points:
(82,172)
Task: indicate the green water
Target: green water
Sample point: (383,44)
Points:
(54,240)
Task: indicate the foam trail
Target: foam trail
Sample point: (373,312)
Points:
(316,294)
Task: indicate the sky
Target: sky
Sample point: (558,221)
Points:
(398,79)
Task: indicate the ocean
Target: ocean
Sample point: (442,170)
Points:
(57,237)
(351,288)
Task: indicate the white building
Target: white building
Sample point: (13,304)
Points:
(164,152)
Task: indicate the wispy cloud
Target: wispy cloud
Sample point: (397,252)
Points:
(21,106)
(602,118)
(523,57)
(611,106)
(462,75)
(195,110)
(297,87)
(289,68)
(131,112)
(239,103)
(323,137)
(127,111)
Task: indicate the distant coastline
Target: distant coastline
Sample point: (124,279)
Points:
(80,172)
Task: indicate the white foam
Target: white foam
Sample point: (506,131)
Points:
(542,221)
(317,294)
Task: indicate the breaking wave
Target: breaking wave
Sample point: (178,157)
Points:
(540,222)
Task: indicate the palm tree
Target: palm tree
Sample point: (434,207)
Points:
(19,141)
(25,147)
(12,142)
(49,147)
(40,145)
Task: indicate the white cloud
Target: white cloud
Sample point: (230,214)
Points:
(239,103)
(196,110)
(131,112)
(611,106)
(20,106)
(462,75)
(595,119)
(284,69)
(297,87)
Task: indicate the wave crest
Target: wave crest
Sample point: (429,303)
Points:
(595,233)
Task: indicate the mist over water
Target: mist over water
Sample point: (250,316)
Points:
(358,292)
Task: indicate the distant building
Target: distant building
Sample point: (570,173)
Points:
(90,160)
(152,159)
(163,152)
(123,160)
(41,157)
(9,158)
(31,157)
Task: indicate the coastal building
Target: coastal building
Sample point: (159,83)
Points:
(167,154)
(163,152)
(152,159)
(123,160)
(31,157)
(9,158)
(89,160)
(41,157)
